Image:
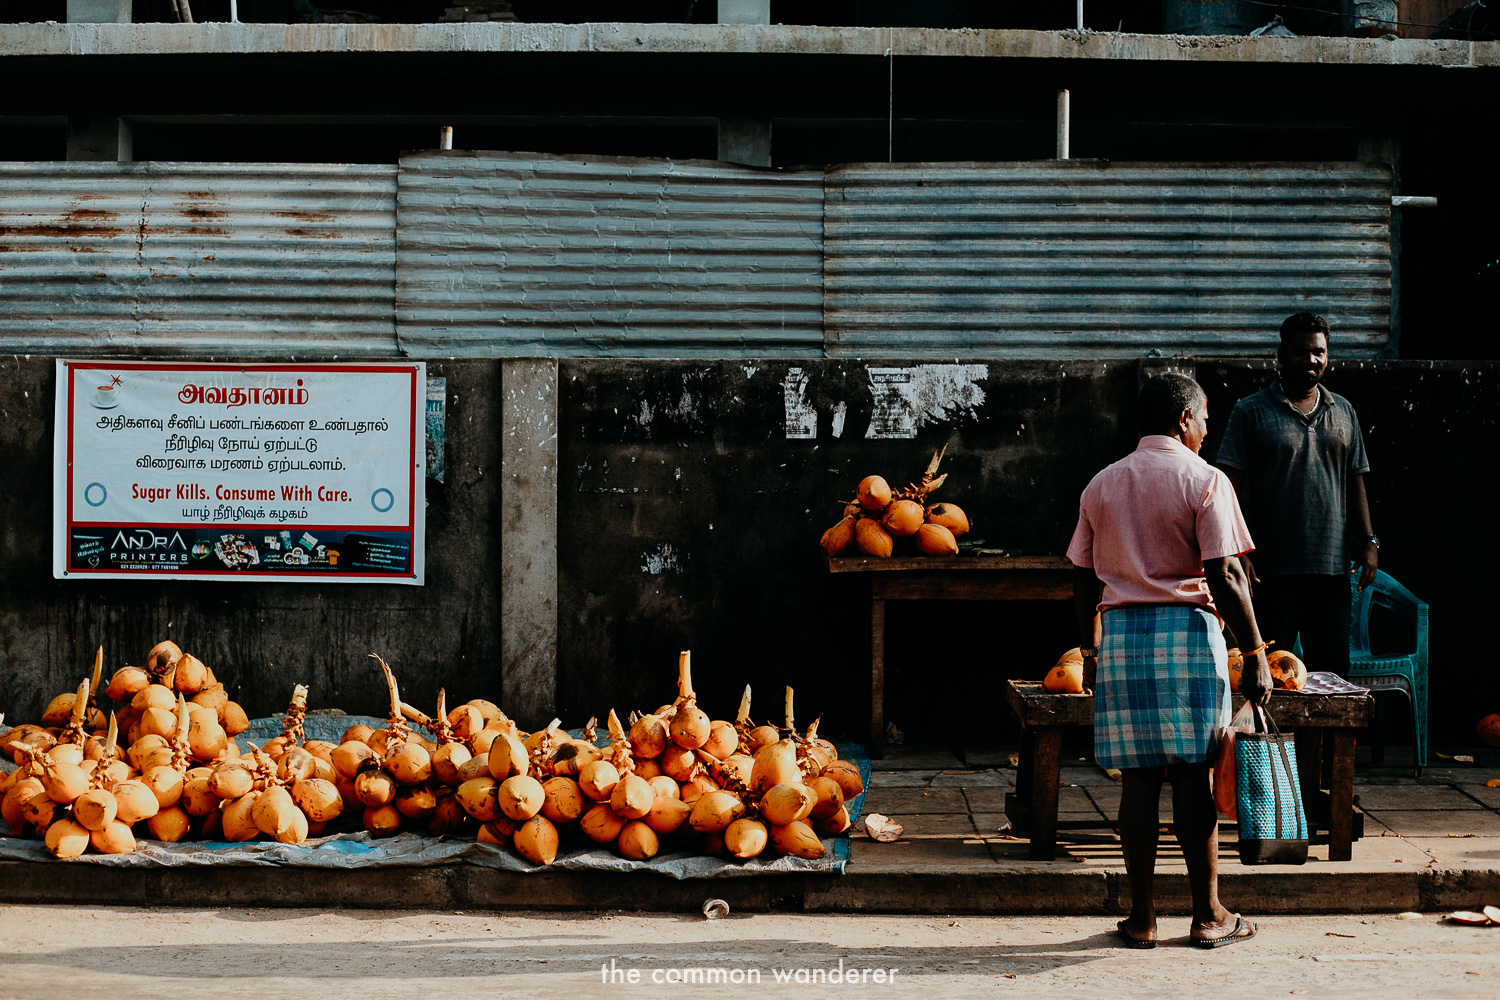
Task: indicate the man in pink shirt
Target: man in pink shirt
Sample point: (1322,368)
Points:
(1157,551)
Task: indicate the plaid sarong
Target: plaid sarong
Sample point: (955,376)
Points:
(1162,693)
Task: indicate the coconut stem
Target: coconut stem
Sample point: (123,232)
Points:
(291,727)
(929,483)
(546,747)
(443,730)
(619,745)
(790,725)
(742,718)
(180,748)
(94,685)
(728,778)
(394,723)
(77,720)
(685,693)
(438,725)
(265,767)
(111,741)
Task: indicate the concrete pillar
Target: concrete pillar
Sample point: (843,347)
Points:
(100,137)
(745,140)
(99,11)
(1386,148)
(528,539)
(744,11)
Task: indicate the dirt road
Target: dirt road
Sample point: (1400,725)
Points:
(52,952)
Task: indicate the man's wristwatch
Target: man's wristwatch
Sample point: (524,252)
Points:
(1088,651)
(1373,540)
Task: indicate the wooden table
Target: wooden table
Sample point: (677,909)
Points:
(946,578)
(1324,726)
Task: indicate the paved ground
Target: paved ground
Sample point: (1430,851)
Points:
(166,954)
(953,807)
(1432,844)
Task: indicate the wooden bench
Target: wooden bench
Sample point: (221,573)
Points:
(1324,726)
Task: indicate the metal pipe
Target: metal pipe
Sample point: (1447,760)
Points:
(234,10)
(1413,201)
(445,137)
(1080,15)
(1064,123)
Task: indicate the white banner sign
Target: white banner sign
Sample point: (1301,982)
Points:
(223,472)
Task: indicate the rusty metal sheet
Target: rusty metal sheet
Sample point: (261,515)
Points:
(247,259)
(1086,259)
(579,256)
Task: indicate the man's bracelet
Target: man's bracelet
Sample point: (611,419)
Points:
(1258,649)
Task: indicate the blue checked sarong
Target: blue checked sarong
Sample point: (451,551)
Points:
(1162,693)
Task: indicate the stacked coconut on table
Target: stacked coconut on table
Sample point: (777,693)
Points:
(674,776)
(879,520)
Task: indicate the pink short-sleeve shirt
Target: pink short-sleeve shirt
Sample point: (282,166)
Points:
(1147,523)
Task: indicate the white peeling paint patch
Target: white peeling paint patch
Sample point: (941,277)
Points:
(686,408)
(801,418)
(839,413)
(750,370)
(663,560)
(908,398)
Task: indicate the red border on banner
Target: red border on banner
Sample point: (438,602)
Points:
(410,528)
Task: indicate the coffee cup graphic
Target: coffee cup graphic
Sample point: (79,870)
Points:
(107,396)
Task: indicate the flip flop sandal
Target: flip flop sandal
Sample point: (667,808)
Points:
(1244,930)
(1131,941)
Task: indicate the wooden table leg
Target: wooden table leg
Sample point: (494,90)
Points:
(877,677)
(1310,749)
(1341,796)
(1018,802)
(1045,770)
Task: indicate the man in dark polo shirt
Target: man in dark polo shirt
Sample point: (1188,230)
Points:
(1296,458)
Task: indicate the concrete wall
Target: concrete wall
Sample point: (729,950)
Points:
(687,499)
(260,639)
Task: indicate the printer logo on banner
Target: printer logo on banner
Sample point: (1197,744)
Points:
(215,472)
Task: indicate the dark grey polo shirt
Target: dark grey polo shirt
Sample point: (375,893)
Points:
(1295,489)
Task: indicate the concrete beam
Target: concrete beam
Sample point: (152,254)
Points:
(100,137)
(528,539)
(30,40)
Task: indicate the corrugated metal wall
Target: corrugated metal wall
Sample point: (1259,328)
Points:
(492,254)
(243,259)
(517,254)
(1091,259)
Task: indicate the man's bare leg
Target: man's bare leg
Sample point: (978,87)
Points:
(1140,825)
(1196,822)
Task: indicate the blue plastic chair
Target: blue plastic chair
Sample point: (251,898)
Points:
(1404,672)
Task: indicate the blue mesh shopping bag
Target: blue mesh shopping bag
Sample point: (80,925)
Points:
(1273,827)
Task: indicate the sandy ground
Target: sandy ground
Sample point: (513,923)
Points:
(58,952)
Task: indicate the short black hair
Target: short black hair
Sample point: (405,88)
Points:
(1299,323)
(1163,399)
